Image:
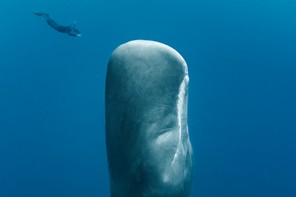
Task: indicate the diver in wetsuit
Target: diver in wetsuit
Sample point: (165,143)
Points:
(70,29)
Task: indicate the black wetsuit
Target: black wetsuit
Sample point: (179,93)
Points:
(70,29)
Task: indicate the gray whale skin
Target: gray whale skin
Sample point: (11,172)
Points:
(148,148)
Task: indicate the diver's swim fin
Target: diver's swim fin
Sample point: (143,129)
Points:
(41,14)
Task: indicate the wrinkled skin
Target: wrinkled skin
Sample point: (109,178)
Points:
(148,147)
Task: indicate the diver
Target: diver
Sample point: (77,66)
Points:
(70,29)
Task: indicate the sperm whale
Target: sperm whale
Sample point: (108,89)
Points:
(148,147)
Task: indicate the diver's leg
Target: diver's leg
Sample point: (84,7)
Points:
(149,152)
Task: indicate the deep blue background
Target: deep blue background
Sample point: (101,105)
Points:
(242,111)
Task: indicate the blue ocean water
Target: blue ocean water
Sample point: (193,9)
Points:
(242,109)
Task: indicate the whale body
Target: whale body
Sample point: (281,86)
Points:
(148,147)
